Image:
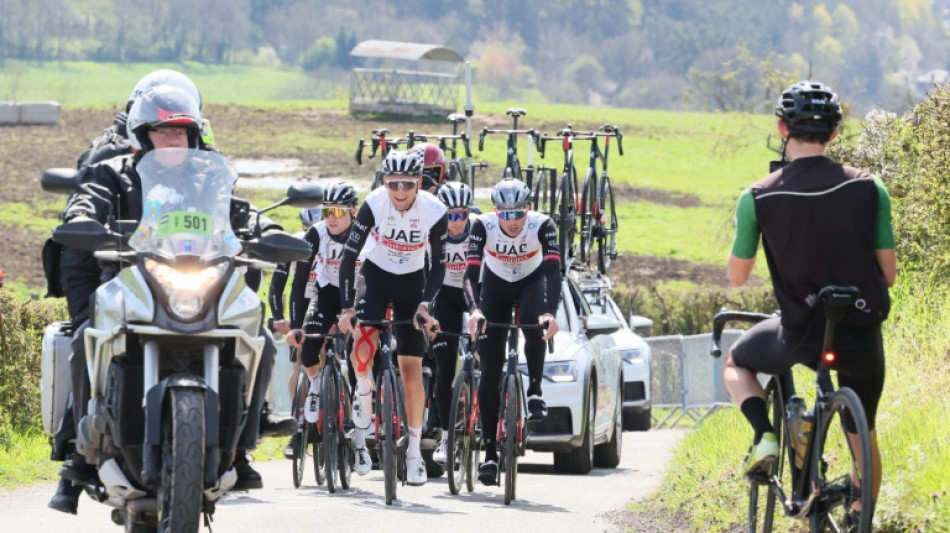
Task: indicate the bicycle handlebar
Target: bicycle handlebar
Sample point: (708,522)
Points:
(726,315)
(542,326)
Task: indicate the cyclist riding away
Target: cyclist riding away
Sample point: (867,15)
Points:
(328,238)
(513,259)
(450,305)
(403,220)
(822,223)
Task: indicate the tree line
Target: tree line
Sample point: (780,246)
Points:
(699,54)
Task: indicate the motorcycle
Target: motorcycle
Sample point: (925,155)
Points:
(175,337)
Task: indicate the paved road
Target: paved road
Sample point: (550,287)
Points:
(548,502)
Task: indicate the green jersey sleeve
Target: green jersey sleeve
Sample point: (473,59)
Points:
(885,229)
(746,242)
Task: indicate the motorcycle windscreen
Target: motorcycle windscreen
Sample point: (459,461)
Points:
(186,199)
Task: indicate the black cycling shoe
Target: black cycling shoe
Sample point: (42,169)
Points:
(77,470)
(273,425)
(488,473)
(66,499)
(537,409)
(247,477)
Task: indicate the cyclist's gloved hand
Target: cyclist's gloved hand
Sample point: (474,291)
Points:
(552,325)
(282,326)
(474,318)
(430,323)
(295,337)
(344,323)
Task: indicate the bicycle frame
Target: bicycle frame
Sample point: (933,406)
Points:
(512,165)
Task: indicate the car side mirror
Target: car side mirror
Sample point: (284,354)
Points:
(598,324)
(641,325)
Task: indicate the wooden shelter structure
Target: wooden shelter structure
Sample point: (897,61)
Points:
(410,79)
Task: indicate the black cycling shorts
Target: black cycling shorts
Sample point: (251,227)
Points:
(403,292)
(324,309)
(770,348)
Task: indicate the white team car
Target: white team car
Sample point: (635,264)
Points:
(582,386)
(634,351)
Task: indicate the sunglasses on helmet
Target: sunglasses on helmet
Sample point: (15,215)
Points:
(333,212)
(395,185)
(512,214)
(456,215)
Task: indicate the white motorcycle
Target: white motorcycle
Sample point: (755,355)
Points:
(174,340)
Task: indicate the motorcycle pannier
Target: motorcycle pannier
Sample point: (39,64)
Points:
(55,380)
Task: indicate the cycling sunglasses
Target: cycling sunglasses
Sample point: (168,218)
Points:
(512,214)
(333,212)
(455,216)
(395,185)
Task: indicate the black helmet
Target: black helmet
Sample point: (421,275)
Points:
(510,193)
(809,106)
(163,105)
(409,162)
(341,193)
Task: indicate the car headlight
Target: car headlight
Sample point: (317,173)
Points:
(185,290)
(558,372)
(636,356)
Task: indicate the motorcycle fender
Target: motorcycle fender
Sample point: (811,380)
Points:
(240,307)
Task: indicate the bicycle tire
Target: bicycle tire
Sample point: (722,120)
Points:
(830,512)
(387,392)
(299,460)
(605,231)
(317,440)
(775,404)
(345,448)
(475,439)
(566,221)
(329,409)
(587,216)
(459,450)
(510,438)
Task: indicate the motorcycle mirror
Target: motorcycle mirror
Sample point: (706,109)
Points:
(60,180)
(87,235)
(304,195)
(279,248)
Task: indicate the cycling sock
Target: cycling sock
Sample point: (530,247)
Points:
(757,414)
(534,387)
(364,384)
(359,438)
(491,453)
(415,435)
(315,382)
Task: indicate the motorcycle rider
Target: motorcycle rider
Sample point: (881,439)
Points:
(162,117)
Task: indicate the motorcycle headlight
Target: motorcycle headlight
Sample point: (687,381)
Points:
(635,356)
(185,290)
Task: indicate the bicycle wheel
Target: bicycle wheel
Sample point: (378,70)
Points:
(317,441)
(388,436)
(833,469)
(345,445)
(329,430)
(458,456)
(510,438)
(605,229)
(566,220)
(475,438)
(587,215)
(761,497)
(301,439)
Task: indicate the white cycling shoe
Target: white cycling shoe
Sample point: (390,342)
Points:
(312,407)
(362,461)
(416,471)
(439,455)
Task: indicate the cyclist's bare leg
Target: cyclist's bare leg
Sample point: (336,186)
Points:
(741,382)
(410,367)
(875,464)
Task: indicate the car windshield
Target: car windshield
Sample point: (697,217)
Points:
(186,199)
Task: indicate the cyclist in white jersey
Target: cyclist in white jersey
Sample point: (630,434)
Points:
(402,220)
(513,259)
(450,304)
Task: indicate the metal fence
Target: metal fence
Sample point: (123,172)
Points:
(686,379)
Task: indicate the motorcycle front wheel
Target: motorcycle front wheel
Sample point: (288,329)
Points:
(183,443)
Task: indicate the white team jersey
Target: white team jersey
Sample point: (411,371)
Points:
(401,238)
(455,258)
(326,262)
(512,258)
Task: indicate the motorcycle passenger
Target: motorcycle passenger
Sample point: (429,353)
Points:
(513,258)
(403,220)
(162,117)
(433,170)
(821,223)
(450,305)
(327,238)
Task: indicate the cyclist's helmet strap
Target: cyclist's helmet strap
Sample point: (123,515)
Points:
(455,195)
(409,162)
(510,193)
(809,106)
(340,193)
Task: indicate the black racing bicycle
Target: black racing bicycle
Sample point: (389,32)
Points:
(823,470)
(512,164)
(307,439)
(464,433)
(557,198)
(598,214)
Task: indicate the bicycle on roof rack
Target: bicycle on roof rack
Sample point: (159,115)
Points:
(512,164)
(598,214)
(380,144)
